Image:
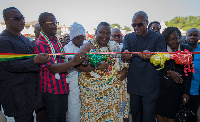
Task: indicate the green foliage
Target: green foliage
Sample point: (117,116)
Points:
(127,28)
(184,23)
(113,25)
(118,26)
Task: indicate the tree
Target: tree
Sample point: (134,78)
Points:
(113,25)
(127,28)
(184,23)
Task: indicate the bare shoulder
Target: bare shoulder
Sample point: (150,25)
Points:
(86,47)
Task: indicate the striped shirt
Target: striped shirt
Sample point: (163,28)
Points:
(48,82)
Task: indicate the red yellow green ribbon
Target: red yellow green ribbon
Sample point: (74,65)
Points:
(11,56)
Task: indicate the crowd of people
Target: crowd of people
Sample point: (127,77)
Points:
(92,87)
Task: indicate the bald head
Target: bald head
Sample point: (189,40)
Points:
(37,25)
(139,23)
(37,30)
(115,30)
(140,13)
(116,35)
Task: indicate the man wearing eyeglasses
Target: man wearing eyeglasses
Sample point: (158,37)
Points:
(53,73)
(20,92)
(155,26)
(143,78)
(116,35)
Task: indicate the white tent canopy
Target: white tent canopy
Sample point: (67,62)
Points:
(30,30)
(163,26)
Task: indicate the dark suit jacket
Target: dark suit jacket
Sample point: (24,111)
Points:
(171,65)
(143,78)
(19,82)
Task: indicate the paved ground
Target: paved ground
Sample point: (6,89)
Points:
(11,119)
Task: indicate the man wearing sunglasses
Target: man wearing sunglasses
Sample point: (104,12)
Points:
(20,92)
(143,78)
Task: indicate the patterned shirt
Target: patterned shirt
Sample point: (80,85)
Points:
(48,82)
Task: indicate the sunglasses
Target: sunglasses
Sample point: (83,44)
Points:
(52,23)
(139,24)
(17,18)
(116,36)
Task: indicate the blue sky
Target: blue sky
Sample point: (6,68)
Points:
(90,13)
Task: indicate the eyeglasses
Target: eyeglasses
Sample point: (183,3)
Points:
(154,28)
(139,24)
(52,23)
(116,36)
(17,18)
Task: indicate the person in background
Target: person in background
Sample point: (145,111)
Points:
(182,40)
(53,73)
(65,40)
(155,26)
(77,37)
(143,78)
(20,94)
(37,30)
(174,85)
(192,37)
(116,36)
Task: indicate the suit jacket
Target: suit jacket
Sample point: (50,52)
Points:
(171,65)
(19,89)
(143,78)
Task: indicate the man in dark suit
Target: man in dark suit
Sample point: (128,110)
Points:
(20,92)
(143,78)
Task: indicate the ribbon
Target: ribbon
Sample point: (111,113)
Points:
(180,57)
(159,59)
(184,58)
(95,59)
(11,56)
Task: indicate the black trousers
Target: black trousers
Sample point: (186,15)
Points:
(194,105)
(41,114)
(56,106)
(142,108)
(25,118)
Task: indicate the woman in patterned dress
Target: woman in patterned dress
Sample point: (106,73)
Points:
(103,92)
